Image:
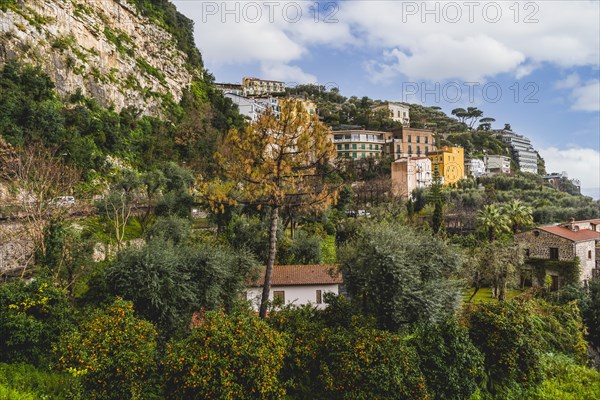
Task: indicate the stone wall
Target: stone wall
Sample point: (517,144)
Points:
(584,250)
(539,246)
(16,250)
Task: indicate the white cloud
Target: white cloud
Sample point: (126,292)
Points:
(566,35)
(570,82)
(435,57)
(579,163)
(287,73)
(583,96)
(587,97)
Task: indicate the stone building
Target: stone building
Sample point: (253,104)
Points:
(563,243)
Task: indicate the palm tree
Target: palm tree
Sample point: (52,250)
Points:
(492,221)
(518,214)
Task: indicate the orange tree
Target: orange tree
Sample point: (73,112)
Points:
(235,356)
(278,161)
(332,358)
(113,351)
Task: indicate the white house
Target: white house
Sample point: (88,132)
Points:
(298,284)
(397,111)
(252,107)
(475,167)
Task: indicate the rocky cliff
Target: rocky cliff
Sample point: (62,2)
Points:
(105,48)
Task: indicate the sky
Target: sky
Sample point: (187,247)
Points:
(532,64)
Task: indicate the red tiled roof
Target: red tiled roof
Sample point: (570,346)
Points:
(575,236)
(296,275)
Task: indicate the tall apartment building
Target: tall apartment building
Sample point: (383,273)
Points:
(449,162)
(357,144)
(397,111)
(523,152)
(261,87)
(409,142)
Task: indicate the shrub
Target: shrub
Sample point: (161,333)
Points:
(235,356)
(450,362)
(506,335)
(566,380)
(400,275)
(560,329)
(113,351)
(23,381)
(363,363)
(331,361)
(32,317)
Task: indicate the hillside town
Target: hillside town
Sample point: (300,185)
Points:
(167,234)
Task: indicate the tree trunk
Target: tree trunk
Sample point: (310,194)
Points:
(477,287)
(270,262)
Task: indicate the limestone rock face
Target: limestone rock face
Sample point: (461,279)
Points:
(105,48)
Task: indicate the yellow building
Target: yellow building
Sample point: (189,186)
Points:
(449,162)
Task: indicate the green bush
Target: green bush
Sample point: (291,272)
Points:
(112,351)
(328,360)
(400,275)
(452,365)
(362,363)
(33,316)
(560,329)
(566,380)
(591,313)
(29,382)
(506,335)
(235,356)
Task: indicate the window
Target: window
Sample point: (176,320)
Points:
(426,149)
(554,253)
(339,146)
(370,147)
(418,150)
(319,297)
(409,138)
(362,146)
(353,155)
(555,283)
(279,296)
(409,150)
(526,252)
(418,139)
(426,140)
(347,146)
(353,146)
(589,254)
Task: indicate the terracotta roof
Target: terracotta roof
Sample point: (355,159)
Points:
(296,275)
(575,236)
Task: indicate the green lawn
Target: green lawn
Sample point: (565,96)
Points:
(484,295)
